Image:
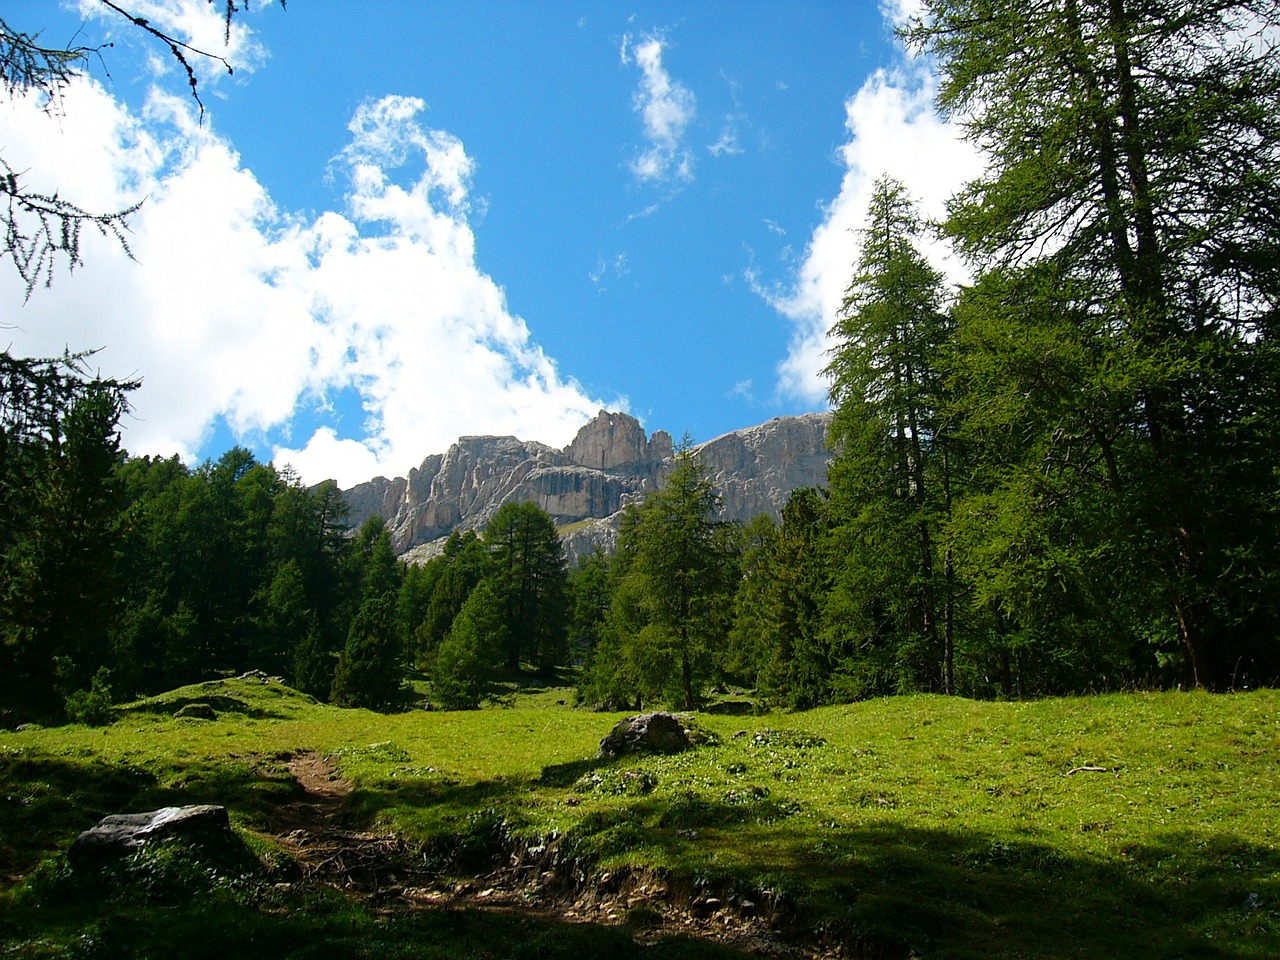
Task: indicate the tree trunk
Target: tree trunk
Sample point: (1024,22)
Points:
(686,676)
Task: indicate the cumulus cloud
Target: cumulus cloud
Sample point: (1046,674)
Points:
(666,107)
(236,309)
(893,129)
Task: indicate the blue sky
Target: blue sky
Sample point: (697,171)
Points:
(402,222)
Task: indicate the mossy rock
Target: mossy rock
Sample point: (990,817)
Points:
(197,711)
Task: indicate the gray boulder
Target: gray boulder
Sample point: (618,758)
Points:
(202,825)
(646,733)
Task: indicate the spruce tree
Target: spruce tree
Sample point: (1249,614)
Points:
(530,579)
(891,473)
(467,658)
(369,672)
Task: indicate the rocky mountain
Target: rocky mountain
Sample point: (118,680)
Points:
(585,486)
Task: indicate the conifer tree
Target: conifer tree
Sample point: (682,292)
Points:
(369,672)
(891,474)
(1127,213)
(530,579)
(674,603)
(467,658)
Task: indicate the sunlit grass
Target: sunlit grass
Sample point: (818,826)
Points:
(1112,826)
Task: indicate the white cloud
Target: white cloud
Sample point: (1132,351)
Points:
(728,144)
(667,107)
(605,269)
(237,309)
(199,23)
(893,128)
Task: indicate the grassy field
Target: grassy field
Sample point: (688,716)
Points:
(1137,825)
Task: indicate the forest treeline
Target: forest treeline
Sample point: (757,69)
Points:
(1062,475)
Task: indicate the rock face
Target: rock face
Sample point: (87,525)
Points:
(585,486)
(614,440)
(756,469)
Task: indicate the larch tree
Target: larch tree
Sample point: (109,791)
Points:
(41,227)
(1131,211)
(680,579)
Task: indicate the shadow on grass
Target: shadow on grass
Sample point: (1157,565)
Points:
(322,925)
(890,890)
(45,801)
(885,889)
(881,888)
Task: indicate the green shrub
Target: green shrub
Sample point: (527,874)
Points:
(92,707)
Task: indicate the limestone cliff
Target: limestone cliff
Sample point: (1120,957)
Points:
(756,469)
(585,486)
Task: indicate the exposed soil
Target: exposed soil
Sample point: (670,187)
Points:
(381,869)
(317,832)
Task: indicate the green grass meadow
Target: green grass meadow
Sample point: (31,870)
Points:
(1134,825)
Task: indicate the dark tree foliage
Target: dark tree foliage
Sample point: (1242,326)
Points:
(530,580)
(454,574)
(59,527)
(467,659)
(229,567)
(369,671)
(677,572)
(777,638)
(891,475)
(590,592)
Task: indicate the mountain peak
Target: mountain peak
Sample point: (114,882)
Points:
(613,440)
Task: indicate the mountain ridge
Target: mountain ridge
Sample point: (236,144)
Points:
(610,463)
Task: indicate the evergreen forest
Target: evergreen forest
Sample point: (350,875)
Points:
(1062,475)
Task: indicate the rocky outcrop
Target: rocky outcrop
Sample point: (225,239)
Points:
(659,732)
(756,469)
(585,486)
(614,440)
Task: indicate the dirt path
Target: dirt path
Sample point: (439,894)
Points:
(319,833)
